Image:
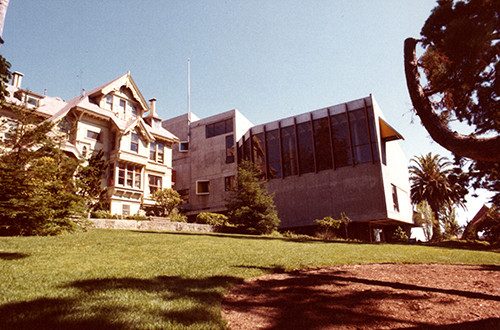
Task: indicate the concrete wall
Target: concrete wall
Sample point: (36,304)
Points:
(357,191)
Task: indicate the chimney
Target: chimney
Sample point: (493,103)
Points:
(17,77)
(152,103)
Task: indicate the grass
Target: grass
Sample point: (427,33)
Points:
(125,279)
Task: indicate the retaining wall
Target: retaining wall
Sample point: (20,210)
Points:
(153,225)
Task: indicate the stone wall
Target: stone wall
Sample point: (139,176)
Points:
(148,225)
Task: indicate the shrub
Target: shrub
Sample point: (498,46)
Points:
(137,217)
(327,227)
(177,216)
(399,235)
(101,214)
(214,219)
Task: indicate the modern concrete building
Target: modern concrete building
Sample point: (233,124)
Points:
(113,118)
(344,158)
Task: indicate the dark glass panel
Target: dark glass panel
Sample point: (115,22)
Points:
(240,153)
(288,150)
(220,128)
(340,134)
(322,144)
(230,149)
(209,130)
(259,157)
(359,129)
(306,157)
(229,125)
(273,154)
(246,149)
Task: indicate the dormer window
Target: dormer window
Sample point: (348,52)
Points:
(121,108)
(32,101)
(109,102)
(133,110)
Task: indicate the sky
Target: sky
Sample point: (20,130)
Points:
(269,59)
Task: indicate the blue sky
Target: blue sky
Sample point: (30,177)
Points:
(268,59)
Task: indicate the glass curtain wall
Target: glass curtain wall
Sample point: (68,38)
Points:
(310,150)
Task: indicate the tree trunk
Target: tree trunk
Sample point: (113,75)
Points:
(3,11)
(481,149)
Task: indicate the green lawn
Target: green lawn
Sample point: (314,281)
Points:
(124,279)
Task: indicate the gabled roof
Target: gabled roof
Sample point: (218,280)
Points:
(115,85)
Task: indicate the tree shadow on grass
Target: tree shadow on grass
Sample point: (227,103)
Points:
(125,303)
(12,255)
(301,300)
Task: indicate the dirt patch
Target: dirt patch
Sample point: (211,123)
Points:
(374,296)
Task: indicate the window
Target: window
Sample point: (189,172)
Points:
(341,144)
(154,183)
(129,175)
(395,198)
(134,142)
(156,152)
(84,151)
(94,135)
(125,210)
(229,183)
(32,101)
(289,151)
(322,144)
(305,142)
(202,187)
(184,146)
(121,109)
(160,153)
(133,110)
(360,136)
(137,177)
(219,128)
(152,151)
(109,102)
(258,155)
(273,154)
(111,175)
(230,149)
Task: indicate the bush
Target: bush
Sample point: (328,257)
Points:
(101,214)
(177,216)
(214,219)
(327,227)
(137,217)
(399,235)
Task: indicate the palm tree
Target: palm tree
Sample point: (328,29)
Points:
(430,181)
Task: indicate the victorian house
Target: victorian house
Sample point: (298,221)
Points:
(116,119)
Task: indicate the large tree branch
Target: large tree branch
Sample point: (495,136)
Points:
(483,149)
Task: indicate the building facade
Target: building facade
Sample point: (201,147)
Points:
(116,119)
(343,158)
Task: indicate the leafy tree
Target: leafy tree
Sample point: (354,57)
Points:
(166,201)
(451,228)
(432,181)
(38,195)
(425,217)
(461,63)
(345,221)
(89,182)
(251,206)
